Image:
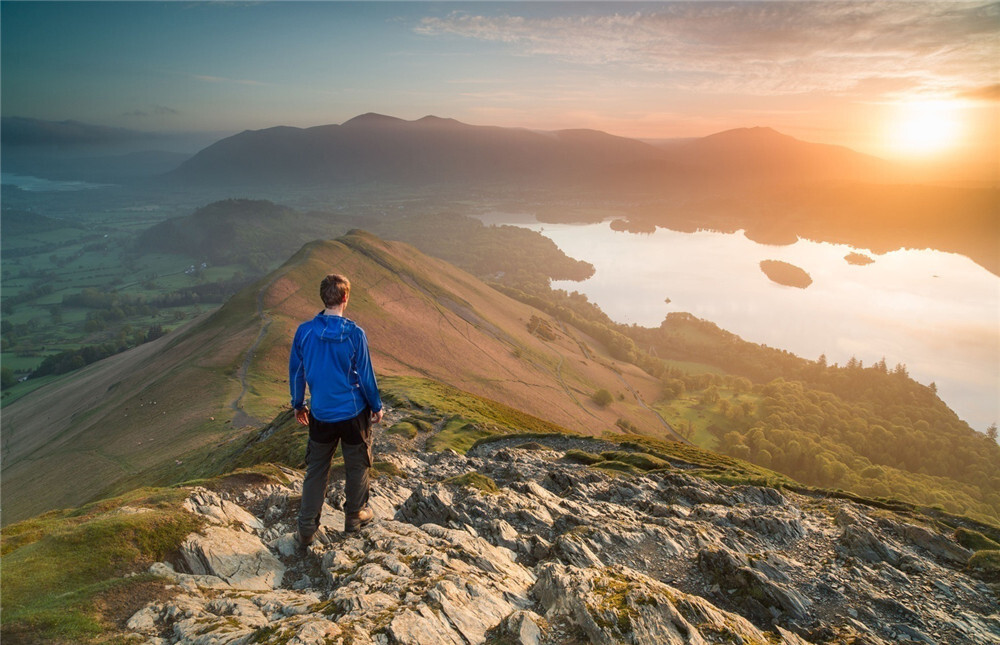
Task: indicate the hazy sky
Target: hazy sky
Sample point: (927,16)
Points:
(888,78)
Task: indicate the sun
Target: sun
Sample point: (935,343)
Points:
(925,128)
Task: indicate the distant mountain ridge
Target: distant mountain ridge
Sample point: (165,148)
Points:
(374,148)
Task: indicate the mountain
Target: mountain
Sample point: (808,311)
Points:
(763,153)
(428,322)
(374,148)
(255,232)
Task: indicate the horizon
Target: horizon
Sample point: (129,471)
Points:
(910,82)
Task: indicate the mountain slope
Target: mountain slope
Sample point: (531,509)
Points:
(119,418)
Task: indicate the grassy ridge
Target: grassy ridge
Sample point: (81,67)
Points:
(61,568)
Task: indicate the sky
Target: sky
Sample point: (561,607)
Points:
(894,79)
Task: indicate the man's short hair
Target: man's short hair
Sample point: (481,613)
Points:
(334,290)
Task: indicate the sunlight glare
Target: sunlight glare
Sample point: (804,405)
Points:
(925,128)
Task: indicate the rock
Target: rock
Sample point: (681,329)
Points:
(621,605)
(522,627)
(934,543)
(220,511)
(658,558)
(143,620)
(861,542)
(239,558)
(751,586)
(422,626)
(470,607)
(573,549)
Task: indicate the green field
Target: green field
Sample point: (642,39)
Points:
(42,269)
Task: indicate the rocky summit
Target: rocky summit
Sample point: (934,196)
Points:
(515,543)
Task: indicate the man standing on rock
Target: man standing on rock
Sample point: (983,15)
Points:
(330,353)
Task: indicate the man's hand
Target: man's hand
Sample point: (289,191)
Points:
(377,416)
(302,416)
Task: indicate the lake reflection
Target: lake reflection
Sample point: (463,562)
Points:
(938,313)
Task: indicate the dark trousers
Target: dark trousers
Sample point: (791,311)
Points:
(356,440)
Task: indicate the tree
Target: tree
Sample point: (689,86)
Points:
(602,397)
(8,379)
(991,432)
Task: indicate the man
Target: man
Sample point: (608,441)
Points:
(330,354)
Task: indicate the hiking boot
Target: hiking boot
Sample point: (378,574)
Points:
(302,541)
(353,522)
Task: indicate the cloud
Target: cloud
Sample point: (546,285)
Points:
(222,79)
(767,48)
(988,93)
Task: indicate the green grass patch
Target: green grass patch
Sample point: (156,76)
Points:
(617,467)
(985,564)
(386,468)
(711,465)
(532,445)
(404,429)
(55,565)
(975,541)
(474,480)
(445,400)
(582,457)
(458,434)
(640,460)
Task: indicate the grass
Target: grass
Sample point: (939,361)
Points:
(710,465)
(617,467)
(986,565)
(582,457)
(474,480)
(974,540)
(58,565)
(404,429)
(458,434)
(640,460)
(445,400)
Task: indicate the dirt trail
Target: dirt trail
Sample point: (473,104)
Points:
(240,417)
(676,435)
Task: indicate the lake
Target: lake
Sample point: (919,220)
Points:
(937,313)
(40,185)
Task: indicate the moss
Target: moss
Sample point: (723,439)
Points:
(270,634)
(974,540)
(474,480)
(614,612)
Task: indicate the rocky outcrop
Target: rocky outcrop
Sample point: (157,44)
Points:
(561,553)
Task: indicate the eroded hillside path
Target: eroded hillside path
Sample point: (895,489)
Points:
(240,417)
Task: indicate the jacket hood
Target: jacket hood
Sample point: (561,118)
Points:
(333,329)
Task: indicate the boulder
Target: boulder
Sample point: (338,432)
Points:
(239,558)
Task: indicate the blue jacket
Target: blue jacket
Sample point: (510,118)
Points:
(330,353)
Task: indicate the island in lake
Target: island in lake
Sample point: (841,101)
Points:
(859,259)
(632,226)
(785,273)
